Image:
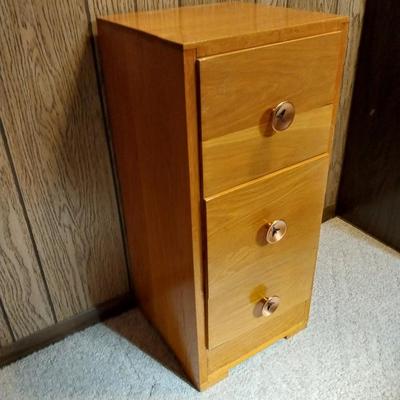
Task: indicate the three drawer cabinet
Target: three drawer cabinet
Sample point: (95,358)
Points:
(222,121)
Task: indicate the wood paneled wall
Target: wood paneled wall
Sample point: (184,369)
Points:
(61,244)
(5,331)
(61,247)
(23,292)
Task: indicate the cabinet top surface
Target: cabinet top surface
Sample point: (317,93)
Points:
(252,24)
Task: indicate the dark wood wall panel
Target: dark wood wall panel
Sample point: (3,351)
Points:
(5,333)
(22,290)
(355,10)
(369,195)
(52,117)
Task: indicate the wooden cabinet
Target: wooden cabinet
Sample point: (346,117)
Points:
(222,119)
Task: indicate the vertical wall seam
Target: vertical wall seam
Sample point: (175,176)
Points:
(7,320)
(107,132)
(26,217)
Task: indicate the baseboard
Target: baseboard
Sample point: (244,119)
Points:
(54,333)
(329,213)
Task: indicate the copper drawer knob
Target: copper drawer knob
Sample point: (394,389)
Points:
(270,305)
(276,231)
(282,116)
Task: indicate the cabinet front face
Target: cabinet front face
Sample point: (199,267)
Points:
(266,118)
(239,92)
(243,267)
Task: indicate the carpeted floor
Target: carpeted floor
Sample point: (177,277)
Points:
(350,350)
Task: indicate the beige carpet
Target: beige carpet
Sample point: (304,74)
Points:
(350,350)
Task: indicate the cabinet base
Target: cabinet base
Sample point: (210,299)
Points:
(214,378)
(223,372)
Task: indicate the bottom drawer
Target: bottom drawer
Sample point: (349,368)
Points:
(231,353)
(243,268)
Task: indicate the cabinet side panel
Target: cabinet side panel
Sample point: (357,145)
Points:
(145,90)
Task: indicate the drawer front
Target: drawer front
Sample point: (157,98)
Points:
(243,268)
(238,92)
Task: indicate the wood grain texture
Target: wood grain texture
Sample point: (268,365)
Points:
(274,3)
(49,103)
(202,2)
(235,351)
(148,56)
(326,6)
(196,208)
(5,333)
(157,168)
(242,267)
(239,90)
(52,116)
(355,11)
(143,5)
(108,7)
(98,8)
(241,156)
(223,27)
(22,289)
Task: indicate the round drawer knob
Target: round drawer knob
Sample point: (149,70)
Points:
(270,305)
(282,116)
(276,231)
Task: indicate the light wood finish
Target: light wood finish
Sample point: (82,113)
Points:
(53,122)
(355,10)
(214,378)
(242,267)
(223,27)
(242,347)
(22,289)
(5,333)
(156,140)
(157,165)
(238,157)
(239,90)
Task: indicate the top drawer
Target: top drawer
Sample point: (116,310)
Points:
(238,93)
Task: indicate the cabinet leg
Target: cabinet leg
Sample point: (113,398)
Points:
(296,330)
(214,378)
